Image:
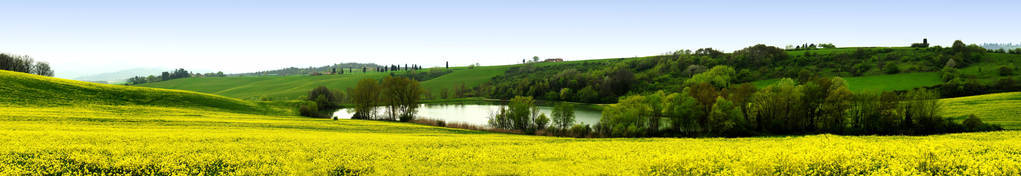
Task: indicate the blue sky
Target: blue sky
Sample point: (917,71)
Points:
(87,37)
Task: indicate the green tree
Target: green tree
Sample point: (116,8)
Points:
(541,121)
(835,106)
(682,110)
(401,96)
(365,96)
(627,118)
(522,112)
(719,76)
(726,119)
(563,115)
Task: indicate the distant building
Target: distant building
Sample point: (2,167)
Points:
(553,60)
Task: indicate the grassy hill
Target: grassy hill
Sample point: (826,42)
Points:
(998,108)
(39,91)
(879,83)
(292,87)
(916,65)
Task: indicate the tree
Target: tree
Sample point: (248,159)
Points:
(719,76)
(365,96)
(541,121)
(725,118)
(565,94)
(1006,71)
(588,95)
(682,110)
(324,98)
(563,115)
(401,95)
(535,58)
(835,106)
(627,118)
(522,112)
(42,68)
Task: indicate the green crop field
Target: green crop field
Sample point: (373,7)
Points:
(292,87)
(134,136)
(999,108)
(878,83)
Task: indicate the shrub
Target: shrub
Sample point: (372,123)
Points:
(563,115)
(1004,71)
(309,109)
(892,69)
(580,130)
(541,122)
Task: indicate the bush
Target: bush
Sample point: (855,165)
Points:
(973,123)
(309,109)
(580,130)
(541,122)
(1004,71)
(892,69)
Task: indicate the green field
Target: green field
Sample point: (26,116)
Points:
(292,87)
(999,108)
(119,136)
(879,83)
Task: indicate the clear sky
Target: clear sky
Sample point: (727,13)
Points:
(88,37)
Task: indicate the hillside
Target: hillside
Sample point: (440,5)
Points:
(292,87)
(999,108)
(865,69)
(22,89)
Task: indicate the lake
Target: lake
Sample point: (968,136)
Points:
(477,114)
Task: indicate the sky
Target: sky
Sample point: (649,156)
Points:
(88,37)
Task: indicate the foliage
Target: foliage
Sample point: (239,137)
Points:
(563,115)
(719,76)
(401,95)
(541,121)
(24,64)
(365,96)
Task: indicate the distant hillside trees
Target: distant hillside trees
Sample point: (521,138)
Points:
(175,74)
(24,64)
(823,105)
(309,70)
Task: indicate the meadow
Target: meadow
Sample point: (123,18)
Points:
(998,108)
(295,86)
(879,83)
(152,138)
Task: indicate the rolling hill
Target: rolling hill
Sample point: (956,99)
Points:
(39,91)
(292,87)
(915,63)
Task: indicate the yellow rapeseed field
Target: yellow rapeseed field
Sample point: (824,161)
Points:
(144,140)
(51,126)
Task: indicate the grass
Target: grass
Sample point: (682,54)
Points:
(90,133)
(293,87)
(32,90)
(988,71)
(1000,108)
(879,83)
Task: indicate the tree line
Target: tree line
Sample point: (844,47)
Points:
(712,107)
(604,81)
(175,74)
(398,95)
(24,64)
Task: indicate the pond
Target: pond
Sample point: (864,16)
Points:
(477,114)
